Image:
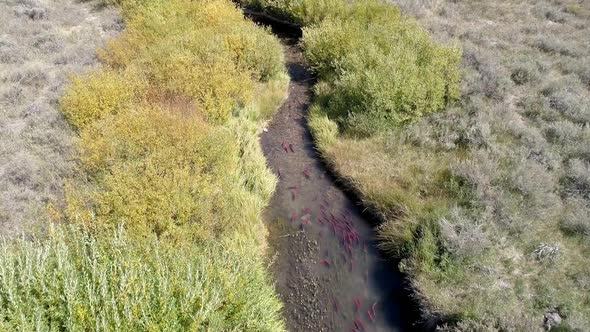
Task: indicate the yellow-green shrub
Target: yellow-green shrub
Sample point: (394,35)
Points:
(158,171)
(381,68)
(99,93)
(176,160)
(164,165)
(215,83)
(205,50)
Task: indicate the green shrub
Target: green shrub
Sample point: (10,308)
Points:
(98,94)
(77,281)
(383,70)
(301,11)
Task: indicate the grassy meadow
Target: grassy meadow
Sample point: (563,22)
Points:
(465,129)
(161,227)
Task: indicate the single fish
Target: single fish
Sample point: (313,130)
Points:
(371,312)
(357,303)
(360,325)
(306,218)
(306,173)
(291,148)
(336,305)
(285,147)
(325,262)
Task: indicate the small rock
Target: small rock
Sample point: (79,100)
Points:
(552,319)
(34,13)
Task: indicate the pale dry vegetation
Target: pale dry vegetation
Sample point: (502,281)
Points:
(42,43)
(488,202)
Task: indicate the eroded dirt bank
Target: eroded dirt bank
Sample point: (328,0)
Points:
(328,271)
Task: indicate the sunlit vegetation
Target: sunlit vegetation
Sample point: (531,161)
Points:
(76,281)
(377,68)
(164,211)
(485,197)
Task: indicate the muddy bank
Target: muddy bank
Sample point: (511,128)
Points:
(329,273)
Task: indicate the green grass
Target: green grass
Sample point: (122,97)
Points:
(168,151)
(72,280)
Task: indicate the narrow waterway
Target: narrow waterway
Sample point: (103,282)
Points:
(329,273)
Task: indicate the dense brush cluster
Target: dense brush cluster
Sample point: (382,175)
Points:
(76,281)
(487,202)
(377,68)
(168,149)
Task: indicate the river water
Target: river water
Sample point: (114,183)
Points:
(328,270)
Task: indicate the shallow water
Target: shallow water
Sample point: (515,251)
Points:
(329,273)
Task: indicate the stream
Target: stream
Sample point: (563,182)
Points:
(329,272)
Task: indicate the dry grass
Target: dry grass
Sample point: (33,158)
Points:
(41,44)
(488,202)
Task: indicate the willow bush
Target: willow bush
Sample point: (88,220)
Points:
(380,70)
(377,68)
(73,280)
